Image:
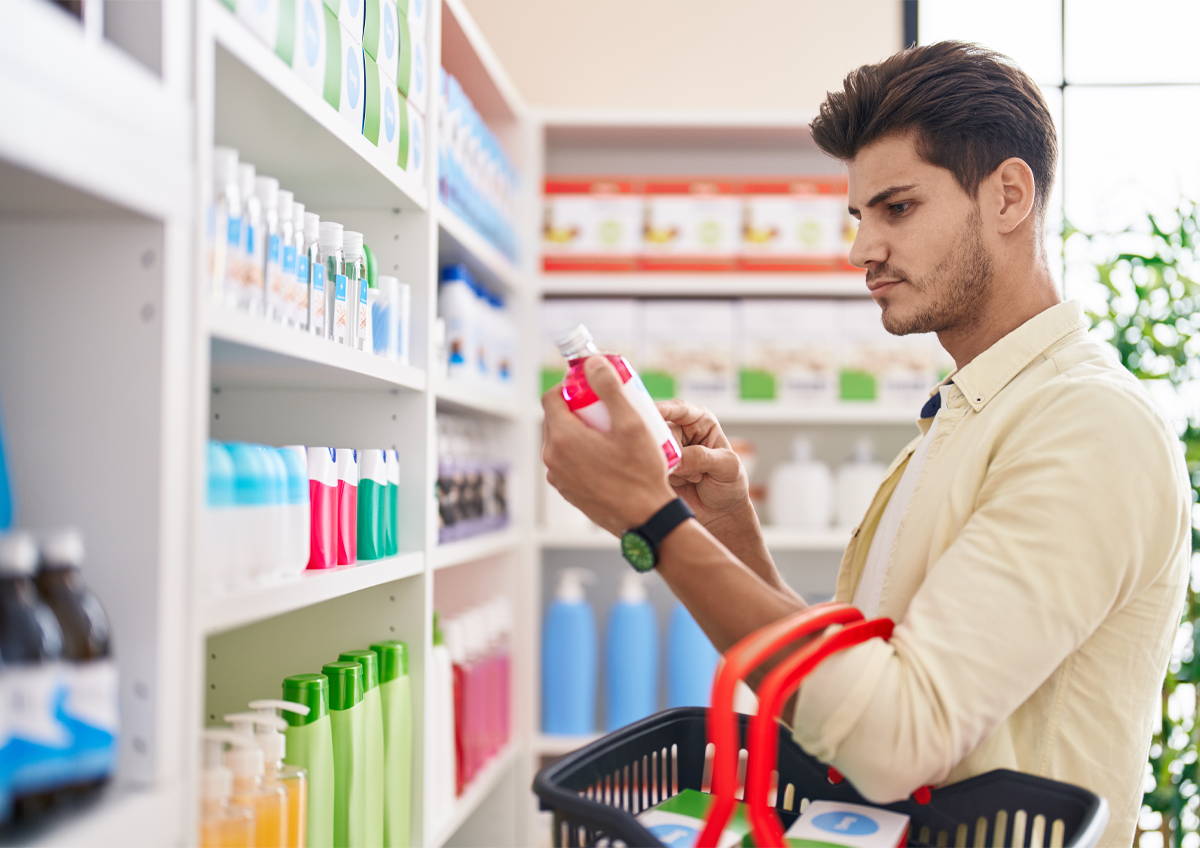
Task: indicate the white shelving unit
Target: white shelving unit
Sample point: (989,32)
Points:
(146,369)
(713,284)
(778,540)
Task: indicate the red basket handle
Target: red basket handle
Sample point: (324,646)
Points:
(743,657)
(779,683)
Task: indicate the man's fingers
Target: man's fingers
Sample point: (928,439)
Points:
(606,383)
(697,425)
(698,461)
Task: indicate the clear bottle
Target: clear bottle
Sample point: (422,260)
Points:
(269,803)
(254,245)
(287,243)
(226,257)
(358,291)
(334,260)
(90,710)
(577,345)
(298,301)
(269,733)
(222,823)
(318,321)
(267,189)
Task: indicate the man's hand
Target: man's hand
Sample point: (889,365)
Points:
(710,476)
(619,478)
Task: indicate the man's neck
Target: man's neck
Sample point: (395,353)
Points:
(1013,303)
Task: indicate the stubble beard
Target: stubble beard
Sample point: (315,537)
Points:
(954,293)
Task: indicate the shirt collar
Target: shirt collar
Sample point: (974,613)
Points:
(983,377)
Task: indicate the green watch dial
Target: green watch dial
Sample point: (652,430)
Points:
(637,551)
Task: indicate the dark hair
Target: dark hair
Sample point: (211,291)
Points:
(971,109)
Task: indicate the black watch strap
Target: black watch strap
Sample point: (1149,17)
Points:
(664,521)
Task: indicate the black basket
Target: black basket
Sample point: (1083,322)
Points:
(595,793)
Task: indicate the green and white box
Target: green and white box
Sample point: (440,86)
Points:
(418,91)
(678,821)
(261,17)
(352,94)
(411,156)
(381,118)
(381,35)
(836,824)
(315,25)
(417,12)
(351,14)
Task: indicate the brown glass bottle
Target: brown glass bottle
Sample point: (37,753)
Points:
(90,709)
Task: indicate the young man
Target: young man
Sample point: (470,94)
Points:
(1031,543)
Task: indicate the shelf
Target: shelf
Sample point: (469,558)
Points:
(463,396)
(768,412)
(483,784)
(476,548)
(468,56)
(714,284)
(778,539)
(459,242)
(305,589)
(152,814)
(261,103)
(251,351)
(635,127)
(551,745)
(89,117)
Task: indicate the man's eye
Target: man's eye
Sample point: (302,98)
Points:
(899,208)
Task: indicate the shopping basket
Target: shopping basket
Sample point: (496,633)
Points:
(596,792)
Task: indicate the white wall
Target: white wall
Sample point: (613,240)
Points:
(685,55)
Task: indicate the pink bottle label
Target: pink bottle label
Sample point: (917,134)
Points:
(584,402)
(323,526)
(347,523)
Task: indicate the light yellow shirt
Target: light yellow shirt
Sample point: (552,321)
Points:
(1036,581)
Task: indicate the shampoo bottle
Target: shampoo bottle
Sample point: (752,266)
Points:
(318,322)
(801,491)
(631,656)
(267,189)
(347,512)
(373,736)
(269,803)
(395,691)
(577,345)
(857,482)
(372,504)
(309,736)
(268,733)
(220,520)
(276,548)
(223,824)
(254,248)
(250,545)
(347,716)
(323,502)
(391,514)
(569,659)
(442,775)
(297,510)
(691,661)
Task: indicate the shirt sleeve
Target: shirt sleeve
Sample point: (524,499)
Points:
(1064,527)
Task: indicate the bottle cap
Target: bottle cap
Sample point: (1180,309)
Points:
(345,684)
(570,584)
(802,449)
(370,666)
(331,235)
(250,483)
(322,466)
(267,189)
(246,179)
(352,243)
(18,555)
(372,466)
(298,217)
(308,690)
(347,465)
(393,659)
(225,165)
(244,759)
(575,342)
(267,730)
(217,782)
(283,205)
(312,226)
(63,547)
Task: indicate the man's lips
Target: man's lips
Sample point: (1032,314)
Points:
(876,285)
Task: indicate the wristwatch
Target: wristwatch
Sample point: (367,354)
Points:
(640,545)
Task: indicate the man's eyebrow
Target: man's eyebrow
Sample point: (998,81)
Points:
(884,195)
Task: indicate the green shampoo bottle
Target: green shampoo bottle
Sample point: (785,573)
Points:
(395,689)
(373,734)
(347,716)
(310,746)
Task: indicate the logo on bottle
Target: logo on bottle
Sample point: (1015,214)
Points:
(850,824)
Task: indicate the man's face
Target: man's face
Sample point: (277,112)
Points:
(920,239)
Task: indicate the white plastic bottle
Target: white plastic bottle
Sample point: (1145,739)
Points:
(254,245)
(337,308)
(442,769)
(317,288)
(800,495)
(358,294)
(226,258)
(267,189)
(297,509)
(287,258)
(857,482)
(298,299)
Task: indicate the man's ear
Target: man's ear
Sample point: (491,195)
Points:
(1012,193)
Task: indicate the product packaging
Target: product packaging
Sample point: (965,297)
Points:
(381,34)
(630,656)
(838,824)
(391,522)
(347,716)
(788,351)
(381,118)
(217,548)
(691,661)
(395,689)
(373,736)
(691,225)
(800,494)
(794,225)
(261,17)
(221,822)
(351,15)
(347,500)
(689,349)
(411,156)
(372,504)
(908,371)
(317,32)
(352,89)
(323,497)
(591,225)
(269,733)
(679,820)
(309,738)
(864,351)
(295,555)
(569,659)
(417,13)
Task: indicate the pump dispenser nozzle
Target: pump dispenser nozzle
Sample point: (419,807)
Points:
(633,589)
(218,776)
(571,582)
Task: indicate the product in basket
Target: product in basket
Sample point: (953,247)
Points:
(678,821)
(830,824)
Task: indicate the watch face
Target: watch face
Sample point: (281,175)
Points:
(637,551)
